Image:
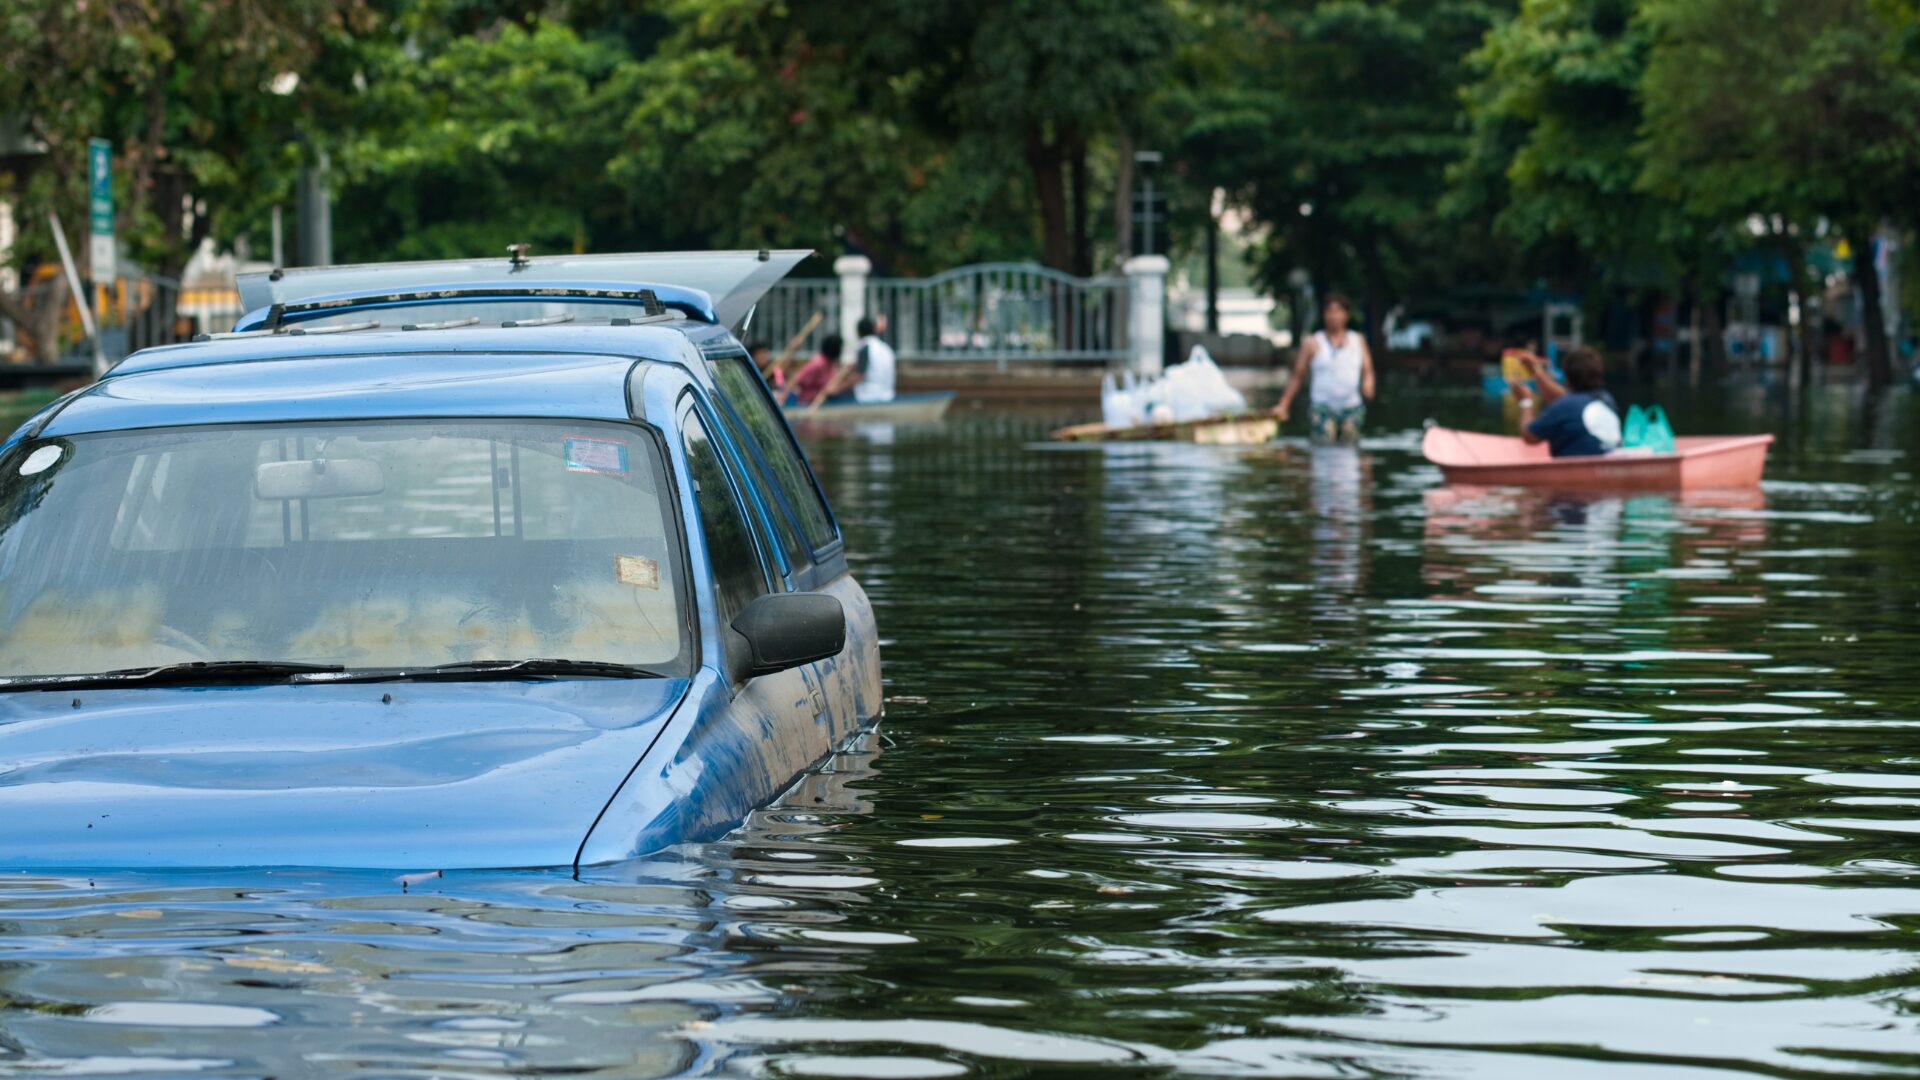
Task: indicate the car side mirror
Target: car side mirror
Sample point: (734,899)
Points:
(786,630)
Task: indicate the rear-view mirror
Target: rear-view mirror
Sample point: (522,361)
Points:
(786,630)
(318,478)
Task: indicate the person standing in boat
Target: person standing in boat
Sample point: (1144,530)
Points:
(871,372)
(1580,418)
(1341,369)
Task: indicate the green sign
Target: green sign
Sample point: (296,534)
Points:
(100,211)
(100,181)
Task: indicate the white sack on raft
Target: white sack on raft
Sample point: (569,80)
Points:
(1192,390)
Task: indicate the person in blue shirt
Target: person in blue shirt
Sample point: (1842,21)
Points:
(1580,418)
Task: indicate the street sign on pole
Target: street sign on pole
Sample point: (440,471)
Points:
(1149,209)
(100,254)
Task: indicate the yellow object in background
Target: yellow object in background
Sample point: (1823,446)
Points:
(1513,368)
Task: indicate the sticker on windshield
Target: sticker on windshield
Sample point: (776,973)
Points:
(639,572)
(607,457)
(40,460)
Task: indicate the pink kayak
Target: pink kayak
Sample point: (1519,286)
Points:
(1702,461)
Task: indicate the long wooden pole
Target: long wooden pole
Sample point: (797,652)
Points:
(793,344)
(79,293)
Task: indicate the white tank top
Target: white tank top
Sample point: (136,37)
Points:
(877,384)
(1336,372)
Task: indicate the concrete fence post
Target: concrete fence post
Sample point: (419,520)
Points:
(1146,312)
(852,271)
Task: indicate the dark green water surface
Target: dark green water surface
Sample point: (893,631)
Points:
(1199,761)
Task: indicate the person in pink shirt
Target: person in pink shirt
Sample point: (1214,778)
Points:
(815,374)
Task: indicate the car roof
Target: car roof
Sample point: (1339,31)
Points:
(575,371)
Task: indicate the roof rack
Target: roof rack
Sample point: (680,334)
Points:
(290,331)
(647,298)
(343,328)
(447,325)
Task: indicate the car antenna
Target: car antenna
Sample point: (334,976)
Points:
(517,256)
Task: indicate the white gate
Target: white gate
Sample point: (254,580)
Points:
(995,312)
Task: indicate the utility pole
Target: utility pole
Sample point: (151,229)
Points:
(1213,272)
(316,214)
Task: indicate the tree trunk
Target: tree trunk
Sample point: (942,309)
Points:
(1866,278)
(1082,219)
(1802,351)
(1213,273)
(35,314)
(1045,158)
(155,325)
(1123,198)
(1697,335)
(1714,317)
(1375,298)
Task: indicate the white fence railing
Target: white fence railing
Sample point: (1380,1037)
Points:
(789,307)
(995,312)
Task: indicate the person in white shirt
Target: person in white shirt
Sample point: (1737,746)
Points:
(1341,367)
(871,371)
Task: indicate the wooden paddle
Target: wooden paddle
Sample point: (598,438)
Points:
(787,353)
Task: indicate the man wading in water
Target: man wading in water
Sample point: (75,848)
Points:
(1342,370)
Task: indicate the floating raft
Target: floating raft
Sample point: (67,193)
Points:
(1710,461)
(1248,430)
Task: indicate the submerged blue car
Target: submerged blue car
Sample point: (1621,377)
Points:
(482,585)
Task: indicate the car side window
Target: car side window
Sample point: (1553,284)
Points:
(737,578)
(798,553)
(741,388)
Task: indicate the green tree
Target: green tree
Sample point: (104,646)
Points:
(457,144)
(1554,158)
(1335,123)
(1554,119)
(926,132)
(1792,109)
(1041,81)
(199,98)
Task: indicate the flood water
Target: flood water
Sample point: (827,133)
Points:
(1203,761)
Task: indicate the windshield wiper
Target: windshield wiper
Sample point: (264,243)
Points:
(538,667)
(196,672)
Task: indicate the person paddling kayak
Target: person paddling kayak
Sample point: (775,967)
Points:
(1341,367)
(1580,418)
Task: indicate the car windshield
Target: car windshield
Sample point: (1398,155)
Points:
(451,313)
(373,545)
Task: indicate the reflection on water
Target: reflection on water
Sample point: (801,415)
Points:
(1257,761)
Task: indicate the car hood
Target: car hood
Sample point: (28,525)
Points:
(402,775)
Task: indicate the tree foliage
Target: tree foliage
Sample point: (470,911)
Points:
(190,92)
(1554,118)
(1335,123)
(470,142)
(1798,110)
(1386,147)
